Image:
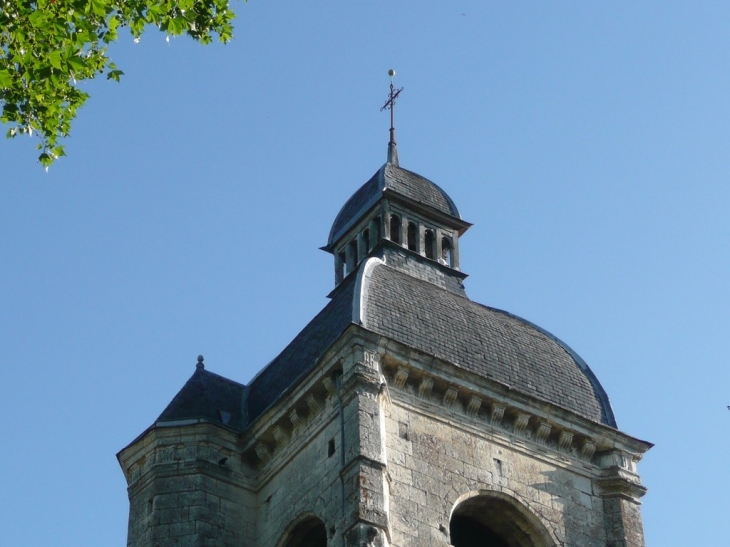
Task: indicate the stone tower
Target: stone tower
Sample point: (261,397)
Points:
(403,414)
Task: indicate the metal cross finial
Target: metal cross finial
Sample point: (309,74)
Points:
(390,104)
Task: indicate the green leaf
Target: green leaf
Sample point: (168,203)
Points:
(76,63)
(156,11)
(177,25)
(49,47)
(45,159)
(55,59)
(38,18)
(98,7)
(114,75)
(6,79)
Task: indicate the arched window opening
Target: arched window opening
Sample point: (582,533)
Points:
(308,533)
(469,532)
(496,520)
(446,251)
(341,265)
(412,237)
(395,228)
(366,240)
(429,241)
(376,225)
(352,262)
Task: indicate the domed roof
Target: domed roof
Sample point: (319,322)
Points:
(398,180)
(443,322)
(416,301)
(486,341)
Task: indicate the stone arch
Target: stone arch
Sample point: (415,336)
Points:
(495,519)
(447,252)
(412,236)
(395,235)
(429,241)
(307,530)
(367,240)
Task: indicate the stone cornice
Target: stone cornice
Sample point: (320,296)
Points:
(428,377)
(365,361)
(278,435)
(188,449)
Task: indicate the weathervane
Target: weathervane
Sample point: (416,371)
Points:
(390,104)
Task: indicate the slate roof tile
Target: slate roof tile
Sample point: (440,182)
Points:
(302,353)
(401,181)
(483,340)
(209,396)
(427,317)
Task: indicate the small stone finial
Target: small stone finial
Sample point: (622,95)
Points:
(200,364)
(390,105)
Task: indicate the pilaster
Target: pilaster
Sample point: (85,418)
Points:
(364,472)
(621,490)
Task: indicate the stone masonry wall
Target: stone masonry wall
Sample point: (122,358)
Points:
(433,463)
(624,527)
(187,489)
(307,483)
(344,486)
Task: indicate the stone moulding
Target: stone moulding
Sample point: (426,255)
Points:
(497,414)
(511,418)
(425,387)
(472,409)
(517,419)
(313,404)
(619,486)
(565,441)
(330,386)
(296,421)
(450,397)
(542,432)
(523,419)
(263,452)
(587,450)
(281,436)
(400,377)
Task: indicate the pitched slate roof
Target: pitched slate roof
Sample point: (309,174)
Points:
(302,353)
(418,303)
(208,396)
(423,315)
(217,399)
(486,341)
(401,181)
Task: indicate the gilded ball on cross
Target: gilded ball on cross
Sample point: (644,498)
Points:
(391,72)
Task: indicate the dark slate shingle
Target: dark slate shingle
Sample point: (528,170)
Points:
(208,396)
(401,181)
(486,341)
(302,353)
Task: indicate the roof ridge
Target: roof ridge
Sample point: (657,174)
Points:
(301,353)
(206,371)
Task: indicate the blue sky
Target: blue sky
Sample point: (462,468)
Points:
(588,143)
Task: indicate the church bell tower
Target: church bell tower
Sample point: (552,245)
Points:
(404,414)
